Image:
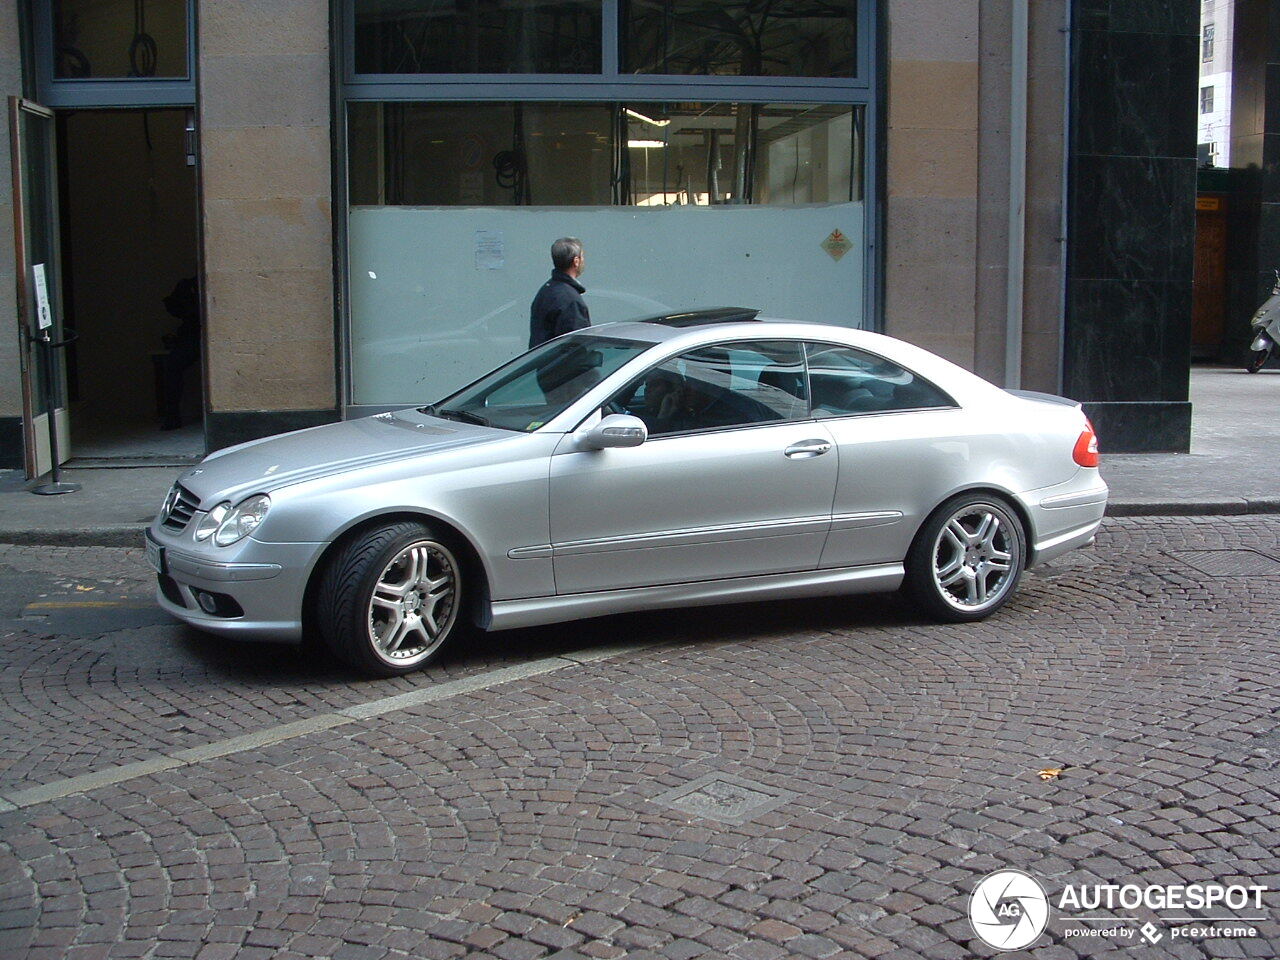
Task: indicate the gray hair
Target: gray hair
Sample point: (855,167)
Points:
(564,251)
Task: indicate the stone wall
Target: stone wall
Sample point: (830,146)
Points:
(931,207)
(264,106)
(947,208)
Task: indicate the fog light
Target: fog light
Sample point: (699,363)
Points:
(217,604)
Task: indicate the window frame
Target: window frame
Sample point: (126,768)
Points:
(809,417)
(1207,99)
(106,92)
(610,83)
(609,86)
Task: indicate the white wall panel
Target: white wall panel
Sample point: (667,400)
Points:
(431,310)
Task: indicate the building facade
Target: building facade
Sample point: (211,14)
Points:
(365,192)
(1217,23)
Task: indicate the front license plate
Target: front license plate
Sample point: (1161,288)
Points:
(155,555)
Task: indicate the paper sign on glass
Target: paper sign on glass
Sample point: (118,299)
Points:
(489,250)
(44,316)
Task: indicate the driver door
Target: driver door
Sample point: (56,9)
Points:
(737,481)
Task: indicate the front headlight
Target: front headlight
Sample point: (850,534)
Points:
(242,520)
(211,521)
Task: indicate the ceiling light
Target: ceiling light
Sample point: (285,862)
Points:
(640,116)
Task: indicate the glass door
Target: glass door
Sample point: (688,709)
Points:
(39,272)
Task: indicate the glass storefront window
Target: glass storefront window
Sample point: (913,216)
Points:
(454,207)
(741,38)
(120,39)
(641,154)
(479,154)
(479,131)
(477,36)
(704,154)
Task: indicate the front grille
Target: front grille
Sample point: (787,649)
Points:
(182,508)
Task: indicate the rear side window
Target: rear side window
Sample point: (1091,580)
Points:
(845,382)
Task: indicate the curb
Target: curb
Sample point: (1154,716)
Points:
(104,535)
(1193,508)
(130,535)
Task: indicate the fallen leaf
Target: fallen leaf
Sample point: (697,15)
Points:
(1050,773)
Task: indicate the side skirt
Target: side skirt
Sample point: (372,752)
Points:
(510,614)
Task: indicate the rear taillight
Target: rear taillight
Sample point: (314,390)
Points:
(1086,451)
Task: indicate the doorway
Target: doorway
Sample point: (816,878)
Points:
(129,231)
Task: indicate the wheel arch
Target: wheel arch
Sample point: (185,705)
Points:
(468,554)
(1009,499)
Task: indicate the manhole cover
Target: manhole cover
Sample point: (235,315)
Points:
(724,797)
(1229,563)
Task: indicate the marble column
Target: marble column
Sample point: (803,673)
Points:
(1254,250)
(1132,174)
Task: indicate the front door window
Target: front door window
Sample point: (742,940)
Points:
(727,385)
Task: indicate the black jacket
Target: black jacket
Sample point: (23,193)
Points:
(557,308)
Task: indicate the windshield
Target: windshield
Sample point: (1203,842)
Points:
(532,389)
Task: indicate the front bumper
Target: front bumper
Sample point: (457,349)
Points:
(263,582)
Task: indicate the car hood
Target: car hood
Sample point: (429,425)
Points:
(261,466)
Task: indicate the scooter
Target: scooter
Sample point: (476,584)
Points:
(1266,329)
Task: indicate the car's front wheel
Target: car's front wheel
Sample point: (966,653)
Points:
(391,599)
(967,558)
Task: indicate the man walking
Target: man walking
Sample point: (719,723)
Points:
(558,306)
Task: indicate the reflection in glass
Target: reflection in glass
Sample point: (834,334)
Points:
(638,154)
(120,38)
(713,153)
(480,154)
(741,38)
(536,387)
(847,382)
(723,386)
(477,36)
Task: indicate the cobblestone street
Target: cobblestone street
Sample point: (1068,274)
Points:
(813,779)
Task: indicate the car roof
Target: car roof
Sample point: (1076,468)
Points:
(959,382)
(691,334)
(698,318)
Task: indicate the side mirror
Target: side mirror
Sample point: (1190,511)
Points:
(615,430)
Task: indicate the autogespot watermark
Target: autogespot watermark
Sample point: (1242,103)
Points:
(1010,910)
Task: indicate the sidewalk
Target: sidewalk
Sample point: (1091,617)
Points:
(1234,464)
(1233,468)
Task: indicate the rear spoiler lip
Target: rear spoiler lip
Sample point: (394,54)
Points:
(1046,398)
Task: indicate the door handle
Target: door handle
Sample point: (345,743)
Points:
(806,449)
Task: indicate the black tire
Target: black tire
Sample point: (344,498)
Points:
(1258,360)
(387,635)
(959,582)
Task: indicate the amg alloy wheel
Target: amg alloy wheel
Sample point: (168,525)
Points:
(967,558)
(390,600)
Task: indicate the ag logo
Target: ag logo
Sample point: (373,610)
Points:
(1008,910)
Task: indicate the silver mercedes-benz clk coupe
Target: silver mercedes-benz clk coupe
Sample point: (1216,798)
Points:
(706,457)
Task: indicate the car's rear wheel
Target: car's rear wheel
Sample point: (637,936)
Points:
(391,599)
(967,558)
